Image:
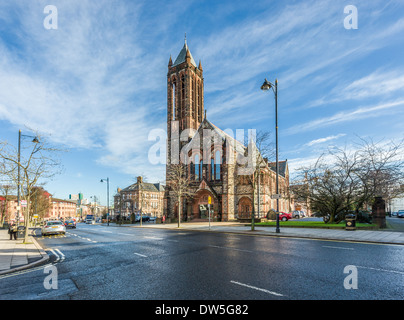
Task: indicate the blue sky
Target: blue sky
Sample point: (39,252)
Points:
(97,85)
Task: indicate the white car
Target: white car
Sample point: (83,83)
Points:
(53,227)
(298,214)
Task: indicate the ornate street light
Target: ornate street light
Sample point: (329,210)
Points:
(265,87)
(107,180)
(35,140)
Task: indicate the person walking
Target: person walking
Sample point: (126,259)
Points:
(12,230)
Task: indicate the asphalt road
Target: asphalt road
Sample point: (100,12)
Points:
(95,262)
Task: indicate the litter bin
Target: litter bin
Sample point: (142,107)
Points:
(20,232)
(350,222)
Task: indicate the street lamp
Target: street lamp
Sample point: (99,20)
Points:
(107,180)
(265,87)
(35,140)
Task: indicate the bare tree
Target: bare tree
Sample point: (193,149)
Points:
(37,162)
(178,182)
(258,151)
(343,181)
(5,190)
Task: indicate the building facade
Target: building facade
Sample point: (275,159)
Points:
(141,197)
(212,157)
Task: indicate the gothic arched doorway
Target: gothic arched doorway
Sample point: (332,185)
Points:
(200,204)
(244,208)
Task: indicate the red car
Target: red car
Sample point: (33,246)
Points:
(285,216)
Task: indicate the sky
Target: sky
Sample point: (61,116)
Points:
(95,84)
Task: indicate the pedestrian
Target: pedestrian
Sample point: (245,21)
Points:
(164,218)
(12,230)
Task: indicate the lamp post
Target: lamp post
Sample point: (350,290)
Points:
(35,140)
(107,180)
(265,87)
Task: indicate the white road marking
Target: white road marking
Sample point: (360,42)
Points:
(62,256)
(229,248)
(140,255)
(382,270)
(344,248)
(256,288)
(154,238)
(55,254)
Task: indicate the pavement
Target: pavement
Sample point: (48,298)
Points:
(16,256)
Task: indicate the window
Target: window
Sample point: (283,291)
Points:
(212,169)
(196,165)
(174,100)
(218,161)
(182,87)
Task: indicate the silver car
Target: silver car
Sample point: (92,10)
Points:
(53,227)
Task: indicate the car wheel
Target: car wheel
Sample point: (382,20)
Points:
(284,219)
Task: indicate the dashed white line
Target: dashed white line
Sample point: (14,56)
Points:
(154,238)
(229,248)
(343,248)
(256,288)
(381,270)
(140,255)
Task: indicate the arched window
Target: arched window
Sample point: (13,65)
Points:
(182,87)
(218,161)
(200,102)
(200,170)
(174,100)
(196,166)
(212,169)
(193,98)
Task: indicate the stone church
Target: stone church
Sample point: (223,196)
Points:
(211,156)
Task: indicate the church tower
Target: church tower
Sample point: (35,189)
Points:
(184,92)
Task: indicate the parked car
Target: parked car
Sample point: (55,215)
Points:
(70,224)
(53,227)
(298,214)
(400,213)
(152,219)
(285,216)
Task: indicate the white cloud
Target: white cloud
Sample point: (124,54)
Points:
(322,140)
(344,116)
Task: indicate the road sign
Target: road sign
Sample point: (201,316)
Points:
(276,196)
(209,200)
(23,203)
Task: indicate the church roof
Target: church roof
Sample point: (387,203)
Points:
(237,145)
(146,186)
(282,167)
(182,56)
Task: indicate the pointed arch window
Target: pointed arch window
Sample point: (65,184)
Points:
(218,162)
(182,87)
(193,98)
(212,169)
(174,100)
(197,167)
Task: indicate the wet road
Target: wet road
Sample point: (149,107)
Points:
(100,262)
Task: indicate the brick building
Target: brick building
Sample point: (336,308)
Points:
(141,196)
(53,208)
(211,155)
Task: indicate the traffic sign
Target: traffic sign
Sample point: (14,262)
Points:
(276,196)
(23,203)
